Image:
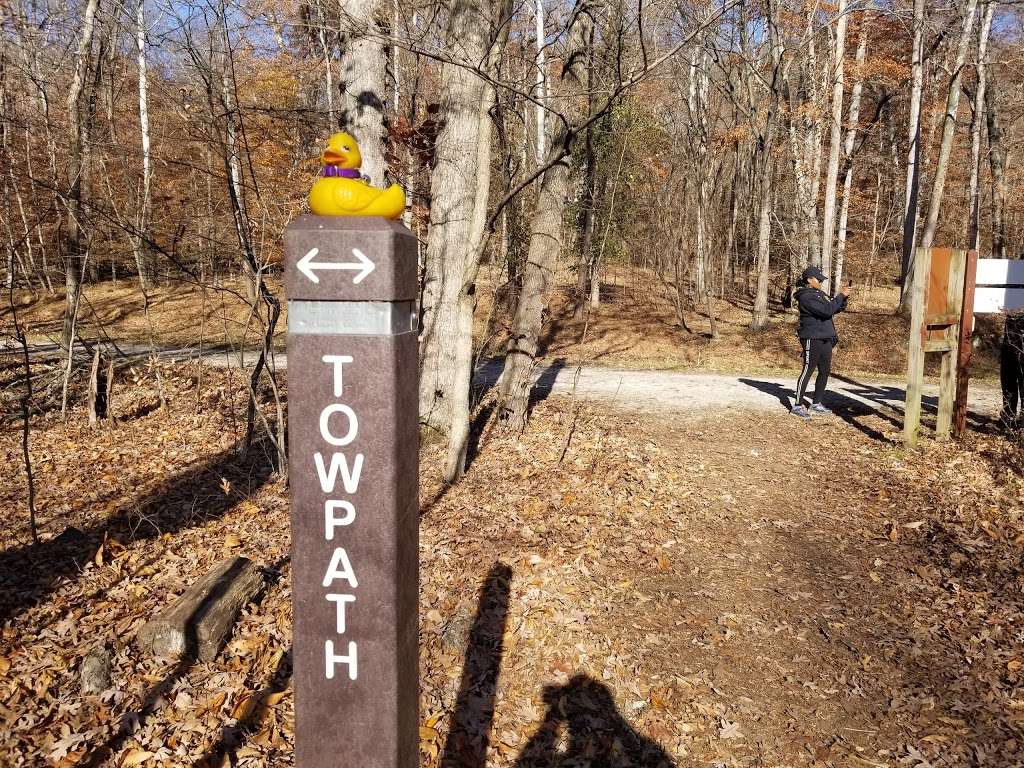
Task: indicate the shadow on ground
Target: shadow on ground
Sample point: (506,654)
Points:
(583,710)
(582,726)
(31,572)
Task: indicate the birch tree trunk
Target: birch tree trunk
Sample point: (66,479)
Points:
(145,257)
(948,127)
(974,229)
(545,235)
(851,138)
(363,83)
(913,157)
(835,139)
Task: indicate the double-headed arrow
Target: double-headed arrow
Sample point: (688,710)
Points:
(307,266)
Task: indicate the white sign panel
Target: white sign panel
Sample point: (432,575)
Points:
(989,301)
(1000,272)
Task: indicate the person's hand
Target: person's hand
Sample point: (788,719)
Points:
(847,291)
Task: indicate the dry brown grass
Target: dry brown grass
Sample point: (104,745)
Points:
(181,314)
(635,326)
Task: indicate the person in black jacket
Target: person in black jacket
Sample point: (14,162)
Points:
(818,337)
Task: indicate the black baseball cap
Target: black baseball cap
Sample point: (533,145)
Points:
(814,272)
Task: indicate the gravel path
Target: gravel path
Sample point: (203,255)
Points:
(646,391)
(654,391)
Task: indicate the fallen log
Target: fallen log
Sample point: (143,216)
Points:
(197,623)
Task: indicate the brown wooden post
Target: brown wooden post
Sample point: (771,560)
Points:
(966,348)
(947,379)
(353,459)
(915,348)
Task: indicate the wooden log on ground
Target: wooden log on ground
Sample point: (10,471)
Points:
(197,623)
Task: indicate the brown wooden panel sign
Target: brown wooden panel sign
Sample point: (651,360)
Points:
(935,323)
(353,457)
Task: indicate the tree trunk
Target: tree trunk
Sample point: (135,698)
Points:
(973,228)
(458,440)
(767,142)
(913,157)
(764,232)
(79,115)
(997,166)
(851,138)
(545,238)
(453,185)
(145,256)
(948,127)
(541,81)
(363,84)
(835,138)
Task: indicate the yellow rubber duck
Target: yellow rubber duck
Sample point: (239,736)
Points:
(342,190)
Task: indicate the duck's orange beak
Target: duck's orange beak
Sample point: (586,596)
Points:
(331,156)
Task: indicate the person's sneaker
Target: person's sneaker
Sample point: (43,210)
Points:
(819,408)
(801,411)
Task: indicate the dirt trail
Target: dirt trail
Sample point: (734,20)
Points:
(691,588)
(752,590)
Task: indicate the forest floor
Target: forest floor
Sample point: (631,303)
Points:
(714,588)
(635,326)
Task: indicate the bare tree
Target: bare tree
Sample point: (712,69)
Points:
(913,155)
(79,102)
(948,126)
(546,231)
(973,227)
(363,84)
(835,140)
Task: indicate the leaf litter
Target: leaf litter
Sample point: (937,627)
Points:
(715,589)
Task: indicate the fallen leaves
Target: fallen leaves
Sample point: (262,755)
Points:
(136,757)
(730,613)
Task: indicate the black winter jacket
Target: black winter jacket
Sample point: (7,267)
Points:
(816,311)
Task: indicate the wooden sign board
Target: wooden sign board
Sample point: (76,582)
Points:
(991,300)
(941,302)
(1000,272)
(1000,286)
(935,326)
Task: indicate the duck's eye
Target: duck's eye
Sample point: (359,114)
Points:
(345,149)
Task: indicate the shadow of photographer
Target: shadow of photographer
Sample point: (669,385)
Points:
(582,726)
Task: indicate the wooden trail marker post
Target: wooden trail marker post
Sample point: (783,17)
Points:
(354,467)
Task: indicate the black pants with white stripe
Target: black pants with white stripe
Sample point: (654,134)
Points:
(817,354)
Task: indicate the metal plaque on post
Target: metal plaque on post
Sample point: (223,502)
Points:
(354,466)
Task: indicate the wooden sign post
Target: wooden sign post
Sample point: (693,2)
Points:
(965,347)
(991,286)
(934,327)
(353,456)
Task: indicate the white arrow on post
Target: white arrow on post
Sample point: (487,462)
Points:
(307,266)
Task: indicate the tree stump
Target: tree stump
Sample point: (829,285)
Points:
(197,623)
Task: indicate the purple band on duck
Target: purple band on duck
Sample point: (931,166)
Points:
(345,173)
